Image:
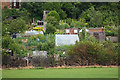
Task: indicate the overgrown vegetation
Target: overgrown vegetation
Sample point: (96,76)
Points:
(62,15)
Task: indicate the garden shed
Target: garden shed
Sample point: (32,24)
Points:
(63,39)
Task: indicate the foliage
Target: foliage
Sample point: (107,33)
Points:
(34,9)
(92,53)
(6,41)
(14,26)
(50,29)
(47,45)
(42,29)
(54,14)
(111,30)
(52,20)
(63,25)
(10,44)
(9,12)
(56,6)
(60,32)
(39,46)
(22,13)
(40,36)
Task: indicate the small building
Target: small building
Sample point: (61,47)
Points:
(41,24)
(72,31)
(45,14)
(95,29)
(11,4)
(112,38)
(97,33)
(65,39)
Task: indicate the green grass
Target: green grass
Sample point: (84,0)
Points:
(62,73)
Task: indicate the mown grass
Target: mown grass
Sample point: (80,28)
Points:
(62,73)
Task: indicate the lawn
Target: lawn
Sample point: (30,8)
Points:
(62,73)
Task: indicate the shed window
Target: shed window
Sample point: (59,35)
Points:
(40,23)
(75,31)
(67,31)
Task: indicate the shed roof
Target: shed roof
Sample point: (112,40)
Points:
(61,40)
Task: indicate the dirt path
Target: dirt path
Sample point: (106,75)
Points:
(94,66)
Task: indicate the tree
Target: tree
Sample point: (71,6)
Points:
(55,6)
(93,17)
(67,7)
(9,12)
(34,8)
(10,44)
(6,41)
(52,20)
(63,25)
(25,15)
(47,45)
(39,46)
(16,26)
(50,29)
(54,14)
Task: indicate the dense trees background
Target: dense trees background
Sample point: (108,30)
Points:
(108,11)
(75,14)
(95,14)
(63,15)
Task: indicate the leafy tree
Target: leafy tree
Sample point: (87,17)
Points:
(56,6)
(50,29)
(47,45)
(39,46)
(63,25)
(111,30)
(6,41)
(91,15)
(67,7)
(10,44)
(25,15)
(52,20)
(9,12)
(34,8)
(54,14)
(16,26)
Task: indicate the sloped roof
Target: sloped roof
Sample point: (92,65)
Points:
(63,39)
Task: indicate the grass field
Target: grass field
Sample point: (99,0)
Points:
(62,73)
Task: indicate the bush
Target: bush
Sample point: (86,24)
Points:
(91,53)
(60,32)
(39,46)
(50,29)
(34,37)
(54,14)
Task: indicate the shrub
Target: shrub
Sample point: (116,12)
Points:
(91,53)
(39,46)
(34,37)
(50,29)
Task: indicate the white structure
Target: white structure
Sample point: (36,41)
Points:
(32,32)
(45,14)
(41,24)
(61,40)
(40,53)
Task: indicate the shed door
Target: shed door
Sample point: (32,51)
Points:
(96,35)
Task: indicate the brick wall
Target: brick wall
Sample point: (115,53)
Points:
(5,4)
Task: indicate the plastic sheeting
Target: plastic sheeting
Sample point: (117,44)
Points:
(32,32)
(61,40)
